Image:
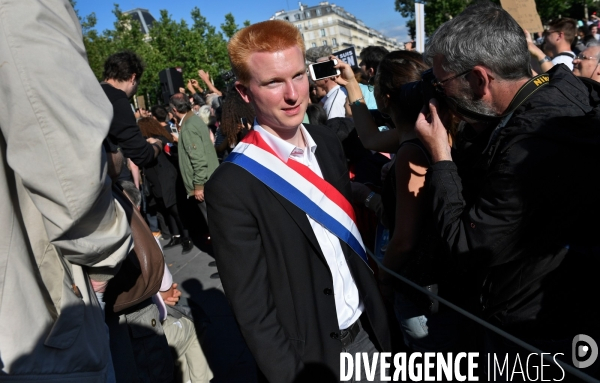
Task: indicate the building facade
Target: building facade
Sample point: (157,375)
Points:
(329,24)
(142,16)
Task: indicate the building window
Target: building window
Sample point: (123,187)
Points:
(299,26)
(314,45)
(334,42)
(318,12)
(322,32)
(307,13)
(287,18)
(309,24)
(297,16)
(324,42)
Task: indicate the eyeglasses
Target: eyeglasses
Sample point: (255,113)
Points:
(581,56)
(438,85)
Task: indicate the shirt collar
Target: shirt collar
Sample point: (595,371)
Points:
(282,148)
(184,116)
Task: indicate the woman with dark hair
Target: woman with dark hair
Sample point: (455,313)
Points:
(237,119)
(316,114)
(415,249)
(161,176)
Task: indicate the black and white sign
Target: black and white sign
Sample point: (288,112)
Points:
(348,56)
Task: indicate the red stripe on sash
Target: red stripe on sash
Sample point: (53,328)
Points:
(325,187)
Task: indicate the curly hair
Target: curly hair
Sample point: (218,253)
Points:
(121,66)
(150,127)
(234,109)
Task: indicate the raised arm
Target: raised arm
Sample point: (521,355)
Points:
(538,54)
(206,78)
(367,129)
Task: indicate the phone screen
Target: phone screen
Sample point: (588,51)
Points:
(324,69)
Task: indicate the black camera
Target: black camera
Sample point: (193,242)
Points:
(414,95)
(228,76)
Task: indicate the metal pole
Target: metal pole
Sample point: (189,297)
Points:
(420,26)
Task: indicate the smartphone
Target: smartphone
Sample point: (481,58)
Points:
(174,129)
(244,122)
(323,70)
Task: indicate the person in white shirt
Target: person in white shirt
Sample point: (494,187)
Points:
(559,38)
(335,97)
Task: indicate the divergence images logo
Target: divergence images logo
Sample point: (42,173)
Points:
(584,347)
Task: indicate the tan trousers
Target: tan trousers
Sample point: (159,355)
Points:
(191,365)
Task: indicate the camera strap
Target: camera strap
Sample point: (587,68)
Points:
(526,91)
(523,94)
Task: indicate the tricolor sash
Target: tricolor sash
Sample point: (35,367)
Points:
(298,184)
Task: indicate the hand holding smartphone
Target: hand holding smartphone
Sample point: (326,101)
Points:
(323,69)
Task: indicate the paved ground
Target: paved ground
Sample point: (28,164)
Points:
(222,342)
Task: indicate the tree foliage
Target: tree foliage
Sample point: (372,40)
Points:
(438,12)
(169,44)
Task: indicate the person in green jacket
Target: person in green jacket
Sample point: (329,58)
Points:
(197,157)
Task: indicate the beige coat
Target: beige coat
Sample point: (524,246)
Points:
(57,216)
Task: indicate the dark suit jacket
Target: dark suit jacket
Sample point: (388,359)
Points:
(274,272)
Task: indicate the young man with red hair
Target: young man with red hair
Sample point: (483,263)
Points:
(286,245)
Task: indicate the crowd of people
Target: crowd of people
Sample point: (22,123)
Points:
(472,165)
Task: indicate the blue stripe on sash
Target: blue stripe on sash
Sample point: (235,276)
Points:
(289,192)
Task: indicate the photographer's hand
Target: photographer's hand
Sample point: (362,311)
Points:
(346,73)
(432,133)
(347,79)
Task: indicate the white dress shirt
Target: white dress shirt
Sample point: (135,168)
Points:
(334,102)
(347,302)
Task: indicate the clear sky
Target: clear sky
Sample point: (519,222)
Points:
(377,14)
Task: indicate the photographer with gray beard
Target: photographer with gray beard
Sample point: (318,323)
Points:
(516,198)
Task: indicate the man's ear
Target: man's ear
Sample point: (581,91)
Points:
(243,91)
(480,80)
(370,72)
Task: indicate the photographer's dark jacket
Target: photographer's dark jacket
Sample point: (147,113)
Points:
(527,218)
